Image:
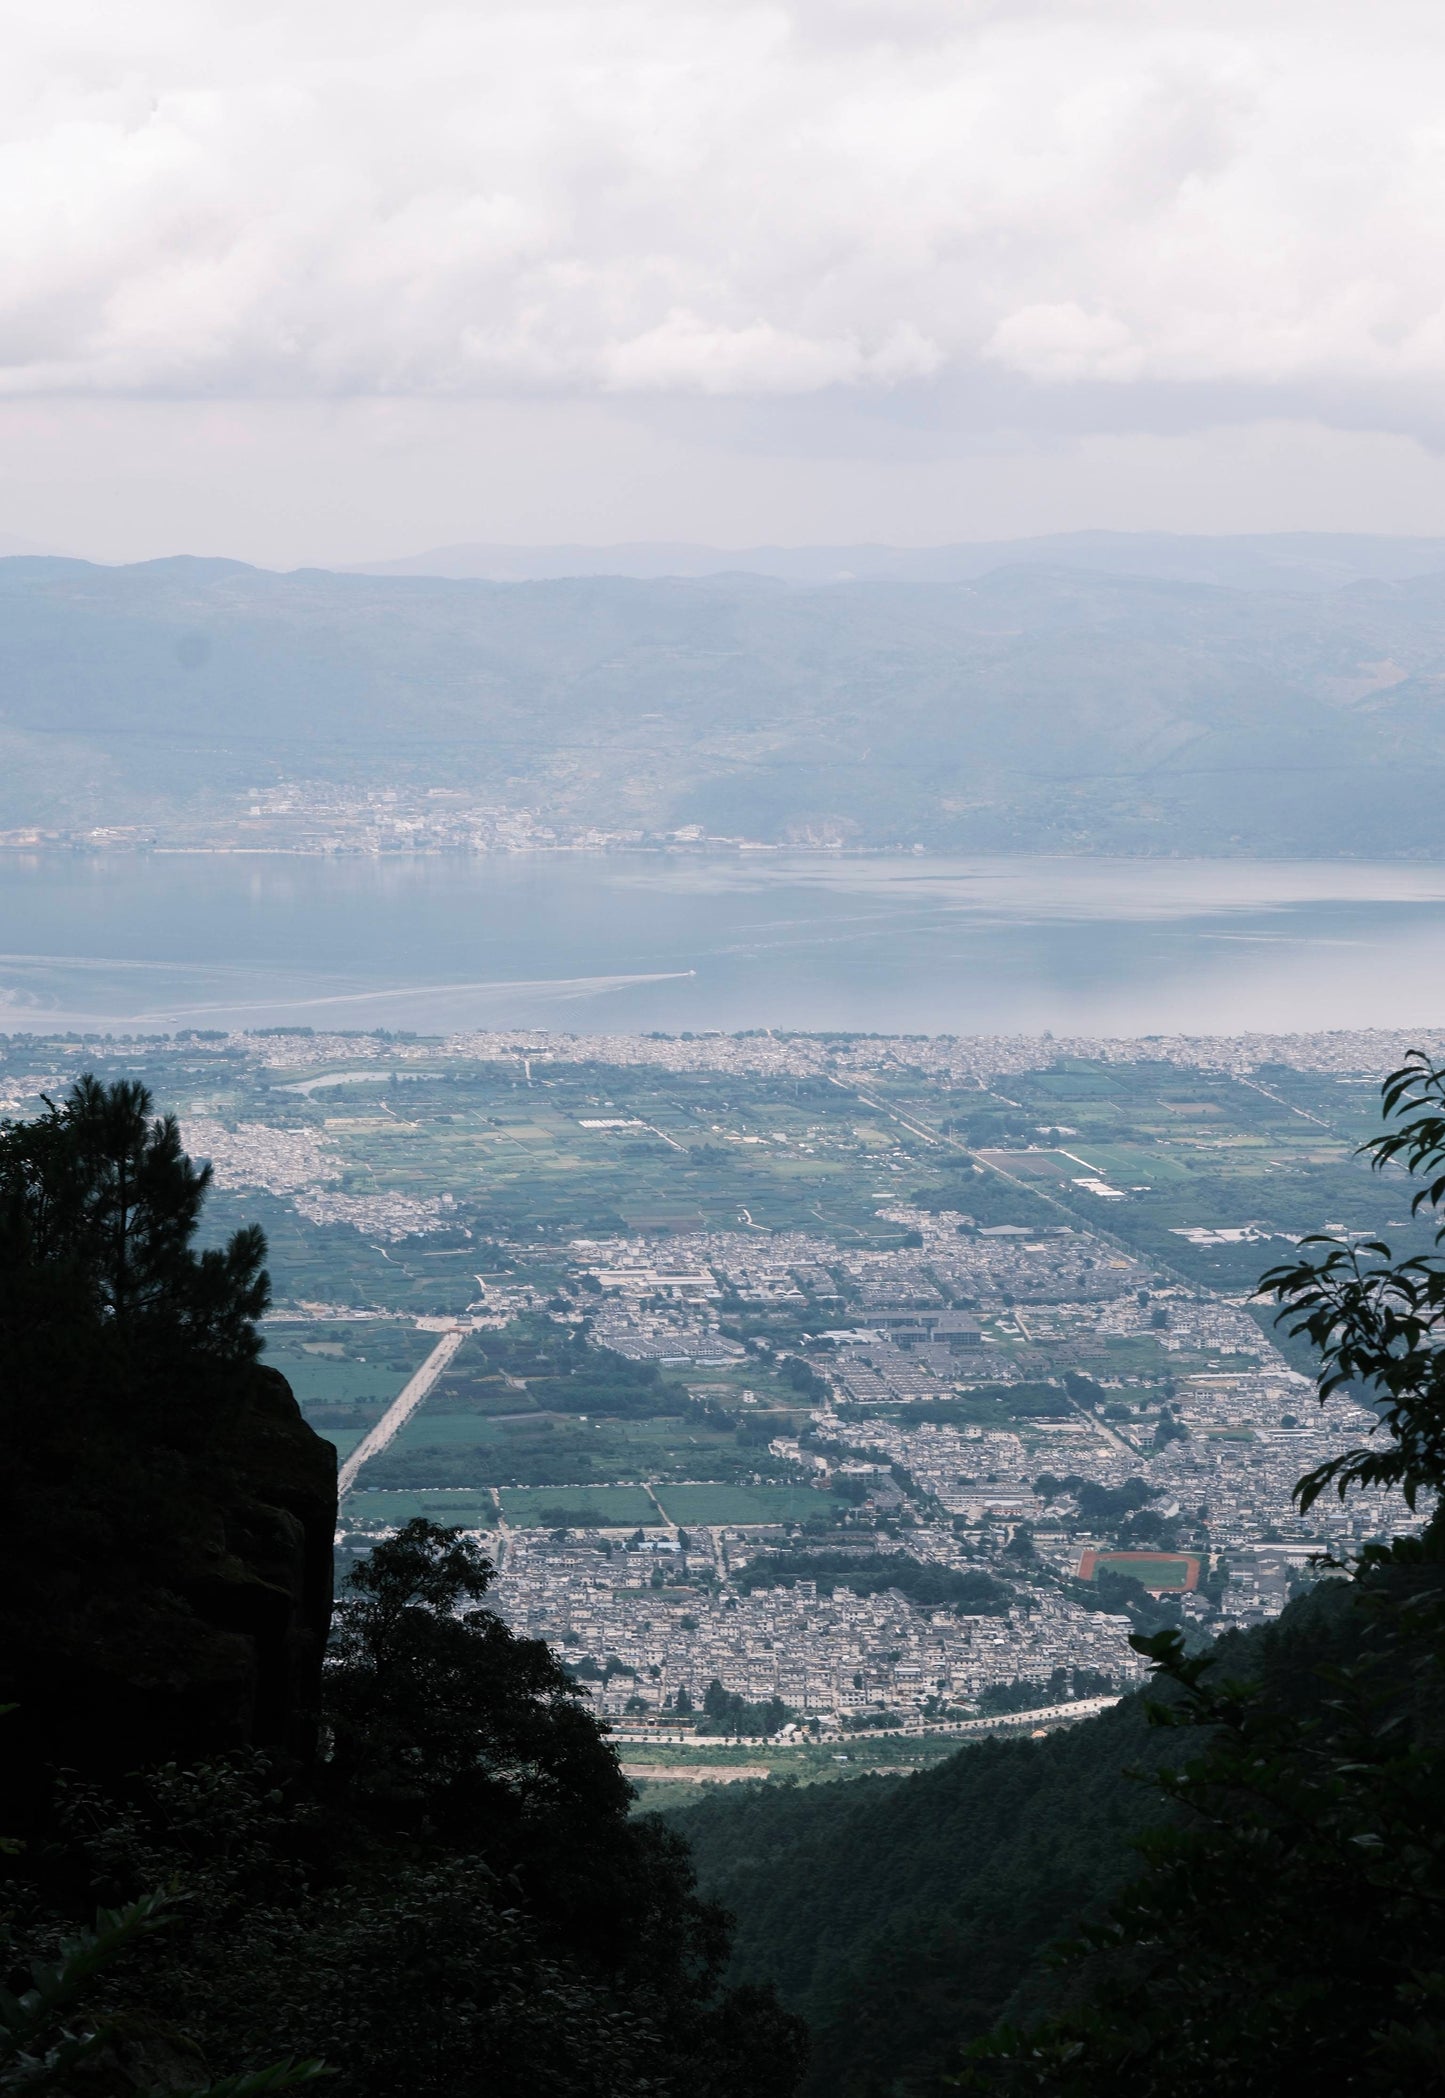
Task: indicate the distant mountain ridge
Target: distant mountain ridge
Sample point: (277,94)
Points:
(1237,561)
(1029,709)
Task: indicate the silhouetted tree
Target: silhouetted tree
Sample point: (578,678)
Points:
(99,1206)
(149,1459)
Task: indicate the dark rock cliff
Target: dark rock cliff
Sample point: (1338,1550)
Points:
(167,1596)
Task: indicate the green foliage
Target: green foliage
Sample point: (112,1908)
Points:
(987,1198)
(1121,1595)
(37,2045)
(1100,1507)
(1026,1693)
(1083,1390)
(48,2032)
(969,1591)
(1105,1507)
(726,1712)
(131,1409)
(801,1377)
(897,1913)
(981,1404)
(1375,1321)
(458,1902)
(1285,1927)
(563,1373)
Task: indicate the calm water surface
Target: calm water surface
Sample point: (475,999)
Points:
(630,942)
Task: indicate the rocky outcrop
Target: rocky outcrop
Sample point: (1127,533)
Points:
(171,1601)
(275,1589)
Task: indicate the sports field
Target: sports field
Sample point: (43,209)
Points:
(1159,1571)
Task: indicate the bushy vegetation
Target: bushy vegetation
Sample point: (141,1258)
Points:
(984,1402)
(726,1712)
(971,1592)
(900,1914)
(562,1372)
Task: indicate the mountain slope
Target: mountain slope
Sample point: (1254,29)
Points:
(1029,709)
(898,1915)
(903,1917)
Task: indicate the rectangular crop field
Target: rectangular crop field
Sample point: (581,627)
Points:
(578,1507)
(342,1440)
(742,1504)
(468,1508)
(448,1431)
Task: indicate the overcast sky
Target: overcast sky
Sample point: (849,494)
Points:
(324,282)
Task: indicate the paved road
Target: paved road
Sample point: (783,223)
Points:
(401,1409)
(996,1722)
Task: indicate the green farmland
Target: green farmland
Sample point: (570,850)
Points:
(596,1507)
(709,1505)
(1213,1176)
(475,1510)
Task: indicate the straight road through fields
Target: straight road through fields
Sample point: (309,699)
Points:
(401,1409)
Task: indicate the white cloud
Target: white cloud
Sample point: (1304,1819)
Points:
(1063,342)
(726,197)
(684,354)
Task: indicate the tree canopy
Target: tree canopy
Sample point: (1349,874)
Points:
(166,1511)
(99,1209)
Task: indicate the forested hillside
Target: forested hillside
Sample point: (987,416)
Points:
(1026,709)
(904,1917)
(901,1914)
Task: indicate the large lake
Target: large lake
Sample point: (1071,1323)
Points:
(631,942)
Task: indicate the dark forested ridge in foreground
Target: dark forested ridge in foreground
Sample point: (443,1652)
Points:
(899,1915)
(906,1916)
(1057,708)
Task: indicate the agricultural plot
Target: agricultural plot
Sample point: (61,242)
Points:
(1182,1150)
(591,1507)
(665,1152)
(710,1505)
(474,1509)
(345,1376)
(438,1448)
(449,1181)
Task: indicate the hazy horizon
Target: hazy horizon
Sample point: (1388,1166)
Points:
(1251,560)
